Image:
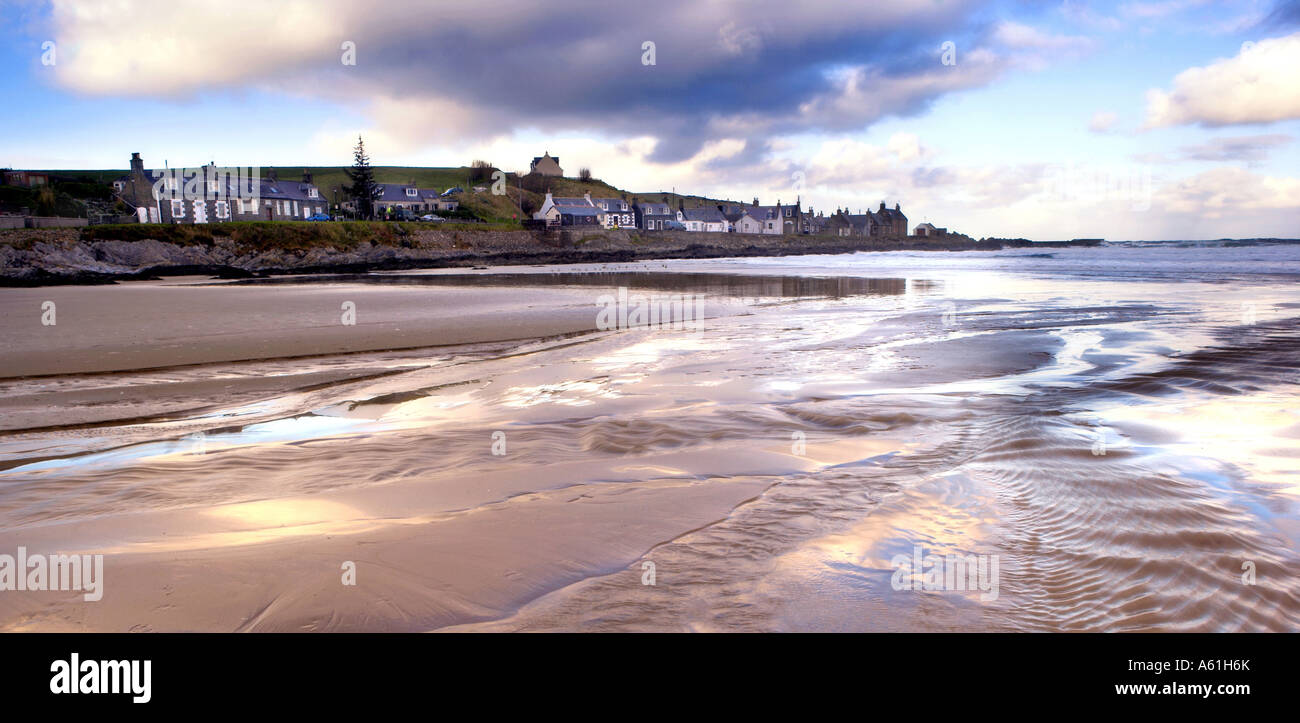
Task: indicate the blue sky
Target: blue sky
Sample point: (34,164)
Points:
(1155,119)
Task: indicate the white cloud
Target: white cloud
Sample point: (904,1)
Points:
(1155,10)
(1018,36)
(160,48)
(1079,12)
(1237,148)
(1228,192)
(1102,121)
(906,146)
(1259,85)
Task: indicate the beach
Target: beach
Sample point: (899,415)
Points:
(1115,427)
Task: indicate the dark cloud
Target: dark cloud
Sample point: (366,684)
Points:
(722,71)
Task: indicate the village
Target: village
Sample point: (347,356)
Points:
(212,194)
(754,218)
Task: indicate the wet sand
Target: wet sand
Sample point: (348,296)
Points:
(152,325)
(236,446)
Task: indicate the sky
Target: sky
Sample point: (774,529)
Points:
(1046,119)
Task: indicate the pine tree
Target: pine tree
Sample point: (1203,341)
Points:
(363,189)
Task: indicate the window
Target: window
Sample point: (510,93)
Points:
(311,193)
(178,209)
(411,192)
(223,209)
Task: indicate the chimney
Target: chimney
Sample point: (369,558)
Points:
(896,208)
(137,164)
(270,176)
(882,205)
(755,200)
(306,176)
(587,196)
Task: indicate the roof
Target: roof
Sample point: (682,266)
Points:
(614,204)
(581,210)
(889,215)
(709,214)
(394,192)
(763,213)
(290,190)
(655,209)
(579,202)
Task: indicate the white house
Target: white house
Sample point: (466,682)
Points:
(708,218)
(560,211)
(749,222)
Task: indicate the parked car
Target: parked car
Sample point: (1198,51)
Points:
(318,217)
(431,217)
(674,226)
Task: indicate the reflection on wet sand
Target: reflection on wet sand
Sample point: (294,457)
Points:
(739,286)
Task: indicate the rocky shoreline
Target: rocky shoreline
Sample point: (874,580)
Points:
(41,257)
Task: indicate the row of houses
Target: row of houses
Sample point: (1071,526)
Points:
(210,194)
(754,218)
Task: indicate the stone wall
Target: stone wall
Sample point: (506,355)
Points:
(54,222)
(40,222)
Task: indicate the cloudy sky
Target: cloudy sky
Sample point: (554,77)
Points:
(1047,119)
